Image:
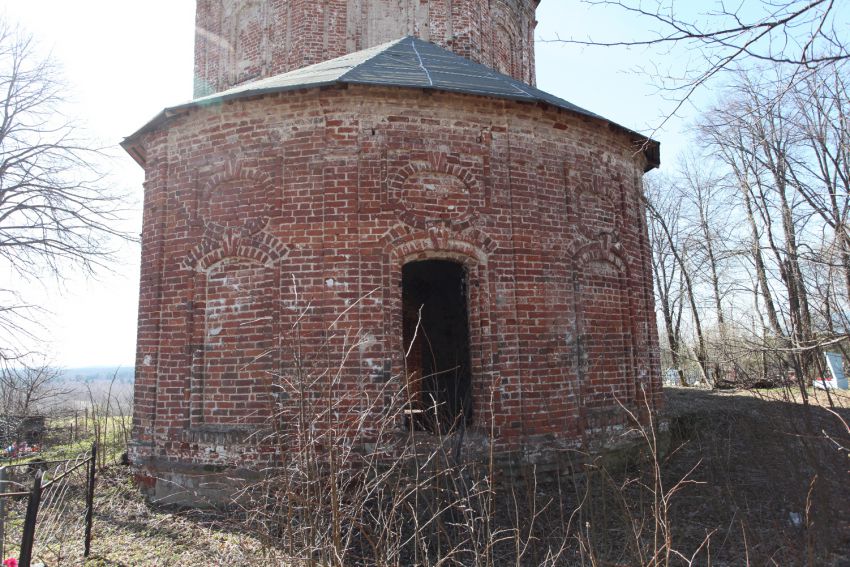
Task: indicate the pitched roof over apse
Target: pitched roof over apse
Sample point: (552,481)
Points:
(406,63)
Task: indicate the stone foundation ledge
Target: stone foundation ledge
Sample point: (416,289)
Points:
(540,460)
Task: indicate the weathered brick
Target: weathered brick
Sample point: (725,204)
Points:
(240,41)
(280,224)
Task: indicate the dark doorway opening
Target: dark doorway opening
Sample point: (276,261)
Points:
(436,340)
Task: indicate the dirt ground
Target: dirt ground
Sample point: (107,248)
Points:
(769,476)
(750,478)
(129,531)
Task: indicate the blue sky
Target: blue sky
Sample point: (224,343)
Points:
(125,61)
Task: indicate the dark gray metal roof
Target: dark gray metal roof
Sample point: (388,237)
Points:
(411,62)
(407,63)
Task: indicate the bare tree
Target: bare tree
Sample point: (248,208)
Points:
(56,210)
(707,213)
(753,136)
(32,389)
(822,173)
(27,393)
(702,191)
(804,34)
(663,220)
(666,271)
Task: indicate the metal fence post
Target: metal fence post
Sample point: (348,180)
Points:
(90,499)
(28,537)
(4,476)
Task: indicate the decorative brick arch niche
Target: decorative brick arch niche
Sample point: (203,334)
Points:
(237,201)
(605,347)
(437,190)
(235,329)
(596,204)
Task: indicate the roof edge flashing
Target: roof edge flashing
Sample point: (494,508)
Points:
(407,62)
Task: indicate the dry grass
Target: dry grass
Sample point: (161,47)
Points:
(129,531)
(766,483)
(773,476)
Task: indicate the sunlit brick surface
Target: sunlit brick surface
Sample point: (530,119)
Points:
(276,228)
(330,193)
(240,41)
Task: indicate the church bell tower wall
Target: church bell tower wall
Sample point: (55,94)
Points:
(237,41)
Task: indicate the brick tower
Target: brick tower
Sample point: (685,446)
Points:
(384,174)
(238,42)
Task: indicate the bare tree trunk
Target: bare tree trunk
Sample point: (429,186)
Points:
(823,124)
(758,261)
(671,325)
(703,191)
(772,133)
(665,272)
(701,351)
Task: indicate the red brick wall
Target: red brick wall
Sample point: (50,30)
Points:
(243,40)
(275,233)
(238,334)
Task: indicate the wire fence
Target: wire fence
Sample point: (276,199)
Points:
(46,510)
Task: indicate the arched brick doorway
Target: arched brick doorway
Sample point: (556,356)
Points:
(435,313)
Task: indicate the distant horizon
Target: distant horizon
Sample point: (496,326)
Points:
(133,364)
(92,374)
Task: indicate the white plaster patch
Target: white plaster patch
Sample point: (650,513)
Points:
(330,282)
(147,360)
(366,341)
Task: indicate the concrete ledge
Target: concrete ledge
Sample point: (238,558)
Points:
(192,484)
(544,460)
